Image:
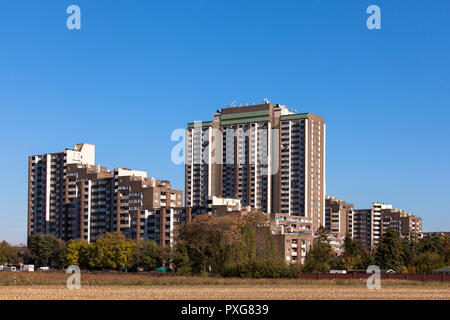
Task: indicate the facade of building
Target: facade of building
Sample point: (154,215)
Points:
(268,157)
(293,246)
(362,226)
(46,187)
(403,223)
(338,216)
(368,225)
(221,206)
(293,235)
(72,198)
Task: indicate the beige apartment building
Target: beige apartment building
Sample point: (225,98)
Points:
(267,156)
(293,235)
(368,225)
(72,198)
(338,216)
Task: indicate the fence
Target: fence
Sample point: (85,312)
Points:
(410,277)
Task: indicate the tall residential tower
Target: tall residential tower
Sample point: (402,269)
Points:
(267,156)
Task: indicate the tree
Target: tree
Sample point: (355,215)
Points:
(77,252)
(354,254)
(8,254)
(208,242)
(428,261)
(23,254)
(408,253)
(446,249)
(367,258)
(389,254)
(148,255)
(45,250)
(228,245)
(111,251)
(321,258)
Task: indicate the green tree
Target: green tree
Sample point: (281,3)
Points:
(389,251)
(428,261)
(227,245)
(111,251)
(408,253)
(430,253)
(45,250)
(148,255)
(77,252)
(321,258)
(207,243)
(354,252)
(8,254)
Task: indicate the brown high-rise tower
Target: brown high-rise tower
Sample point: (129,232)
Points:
(270,158)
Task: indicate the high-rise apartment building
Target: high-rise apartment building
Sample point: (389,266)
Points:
(46,187)
(72,198)
(362,226)
(338,216)
(404,224)
(369,225)
(267,156)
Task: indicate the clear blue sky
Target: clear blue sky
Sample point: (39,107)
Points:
(137,70)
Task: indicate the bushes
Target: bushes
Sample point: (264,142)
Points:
(262,269)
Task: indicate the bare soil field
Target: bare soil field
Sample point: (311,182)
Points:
(230,292)
(123,286)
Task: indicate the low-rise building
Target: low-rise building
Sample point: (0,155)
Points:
(293,235)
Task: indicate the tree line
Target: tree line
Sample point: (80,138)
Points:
(403,255)
(110,251)
(229,246)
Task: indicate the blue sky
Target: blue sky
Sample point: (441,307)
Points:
(137,70)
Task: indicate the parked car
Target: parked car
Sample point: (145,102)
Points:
(44,269)
(7,268)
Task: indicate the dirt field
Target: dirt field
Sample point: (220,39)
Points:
(234,292)
(146,286)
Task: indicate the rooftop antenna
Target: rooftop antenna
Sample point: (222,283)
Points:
(266,101)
